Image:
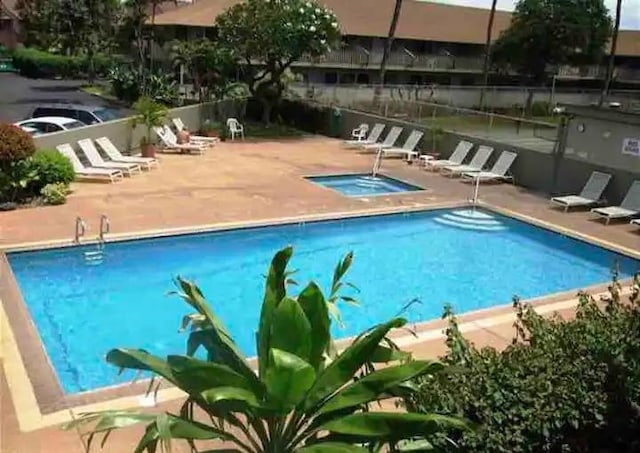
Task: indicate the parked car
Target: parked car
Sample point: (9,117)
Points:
(48,124)
(88,114)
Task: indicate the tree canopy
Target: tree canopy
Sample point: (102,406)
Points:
(268,36)
(553,32)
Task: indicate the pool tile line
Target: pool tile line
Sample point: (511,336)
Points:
(224,226)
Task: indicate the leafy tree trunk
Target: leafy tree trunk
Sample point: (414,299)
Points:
(487,54)
(387,50)
(612,54)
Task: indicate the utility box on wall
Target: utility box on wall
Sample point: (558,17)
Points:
(604,137)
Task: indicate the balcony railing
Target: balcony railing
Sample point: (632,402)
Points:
(404,59)
(598,72)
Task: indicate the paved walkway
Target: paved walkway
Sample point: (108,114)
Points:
(238,182)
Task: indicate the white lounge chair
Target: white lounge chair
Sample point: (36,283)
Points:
(477,163)
(170,143)
(629,207)
(590,195)
(88,172)
(96,160)
(498,172)
(457,157)
(180,126)
(388,142)
(235,128)
(635,222)
(360,132)
(115,155)
(373,137)
(408,149)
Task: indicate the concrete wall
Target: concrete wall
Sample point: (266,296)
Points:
(121,132)
(532,169)
(600,142)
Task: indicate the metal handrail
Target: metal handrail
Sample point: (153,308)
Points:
(105,227)
(81,229)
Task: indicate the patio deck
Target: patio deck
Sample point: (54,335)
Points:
(240,182)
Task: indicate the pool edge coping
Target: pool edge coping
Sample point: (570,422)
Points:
(29,411)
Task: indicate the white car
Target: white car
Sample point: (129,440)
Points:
(48,124)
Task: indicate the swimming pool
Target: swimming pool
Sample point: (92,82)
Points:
(363,184)
(82,308)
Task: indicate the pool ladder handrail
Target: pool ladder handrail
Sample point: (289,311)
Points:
(105,227)
(81,229)
(377,163)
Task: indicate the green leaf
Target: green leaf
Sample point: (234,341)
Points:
(290,329)
(168,426)
(287,379)
(389,426)
(275,291)
(374,385)
(219,394)
(385,354)
(195,376)
(315,308)
(138,359)
(346,364)
(332,447)
(216,339)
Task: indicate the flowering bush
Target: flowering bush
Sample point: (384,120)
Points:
(269,35)
(15,144)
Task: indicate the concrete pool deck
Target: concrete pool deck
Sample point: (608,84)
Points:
(235,183)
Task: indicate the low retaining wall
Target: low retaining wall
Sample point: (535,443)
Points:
(121,132)
(532,169)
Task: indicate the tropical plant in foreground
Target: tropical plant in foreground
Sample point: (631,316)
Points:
(298,400)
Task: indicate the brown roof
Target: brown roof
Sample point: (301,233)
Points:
(425,21)
(628,43)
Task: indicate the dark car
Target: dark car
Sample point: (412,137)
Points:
(87,114)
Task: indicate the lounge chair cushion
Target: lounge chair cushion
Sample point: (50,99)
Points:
(614,212)
(573,200)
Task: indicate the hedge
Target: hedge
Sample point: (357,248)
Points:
(562,386)
(36,63)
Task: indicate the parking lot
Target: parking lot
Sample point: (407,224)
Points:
(19,95)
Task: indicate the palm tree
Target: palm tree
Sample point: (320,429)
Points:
(387,48)
(487,53)
(612,54)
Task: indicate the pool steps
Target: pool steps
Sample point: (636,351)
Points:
(469,219)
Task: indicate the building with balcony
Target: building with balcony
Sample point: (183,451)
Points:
(435,43)
(9,24)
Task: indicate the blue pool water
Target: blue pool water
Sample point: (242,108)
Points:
(363,185)
(470,260)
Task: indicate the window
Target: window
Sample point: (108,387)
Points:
(347,78)
(86,117)
(363,78)
(74,125)
(41,127)
(331,78)
(106,114)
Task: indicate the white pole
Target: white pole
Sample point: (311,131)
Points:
(476,190)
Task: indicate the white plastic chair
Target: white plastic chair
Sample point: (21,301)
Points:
(360,132)
(235,128)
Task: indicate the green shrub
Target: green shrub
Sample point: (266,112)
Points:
(54,193)
(561,386)
(15,144)
(51,167)
(36,63)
